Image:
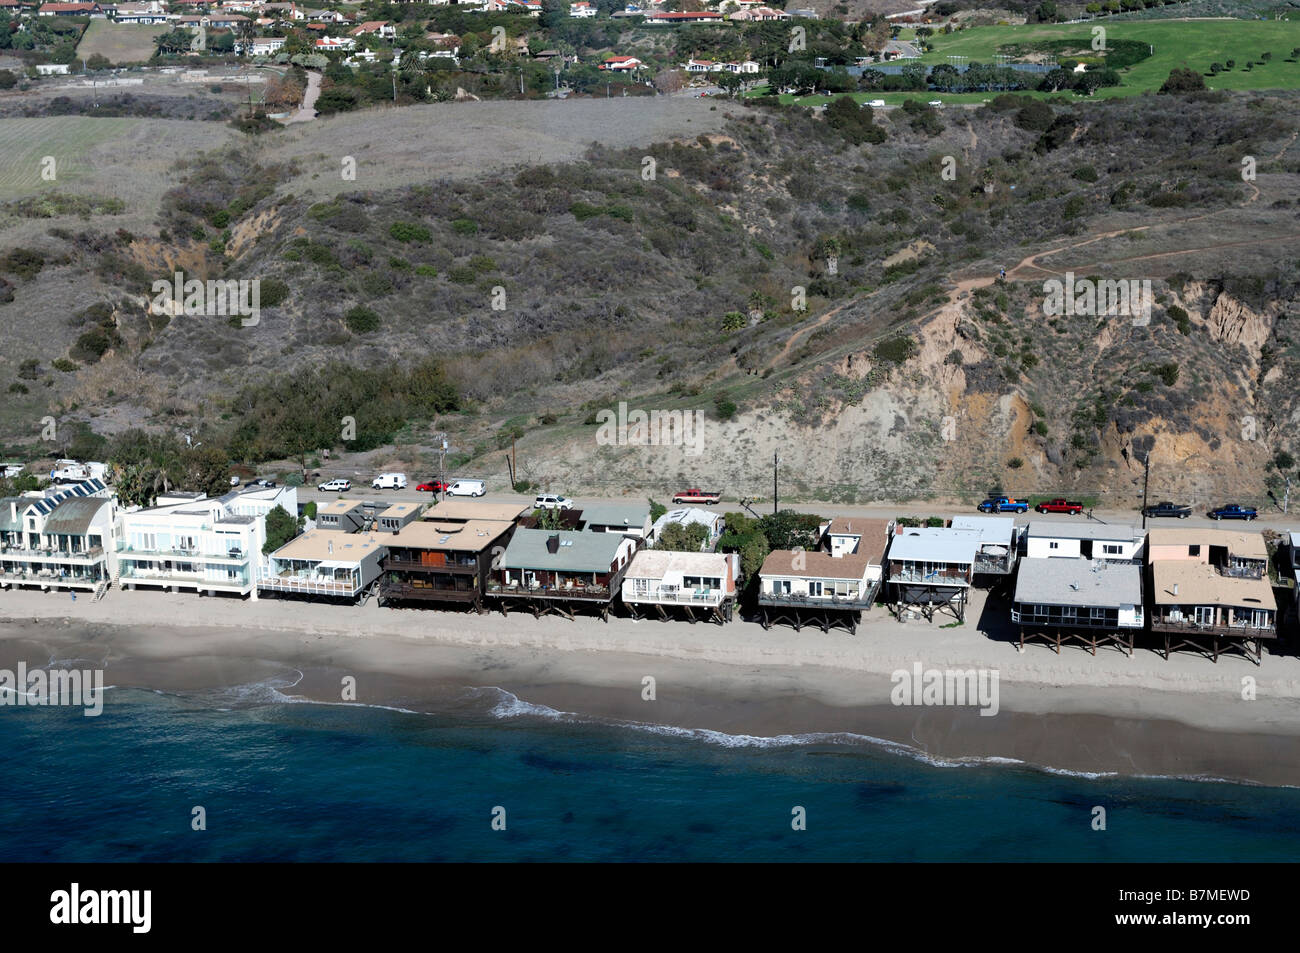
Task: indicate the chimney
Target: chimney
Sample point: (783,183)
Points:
(1175,588)
(13,511)
(553,543)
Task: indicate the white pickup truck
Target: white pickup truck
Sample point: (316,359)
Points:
(73,471)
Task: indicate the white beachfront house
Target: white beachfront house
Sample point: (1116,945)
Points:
(326,563)
(692,581)
(59,538)
(188,541)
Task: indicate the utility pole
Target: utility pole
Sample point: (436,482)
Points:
(1286,499)
(442,471)
(776,462)
(1146,482)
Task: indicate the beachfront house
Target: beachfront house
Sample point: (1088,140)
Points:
(701,585)
(932,568)
(1210,591)
(801,587)
(1074,598)
(630,519)
(561,570)
(326,564)
(60,538)
(432,562)
(188,541)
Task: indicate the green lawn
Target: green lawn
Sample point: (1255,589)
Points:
(24,143)
(120,42)
(1192,44)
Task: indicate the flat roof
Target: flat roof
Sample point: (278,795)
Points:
(329,545)
(1202,585)
(816,565)
(1078,582)
(1059,529)
(934,545)
(657,563)
(338,507)
(1238,542)
(992,529)
(473,510)
(471,536)
(400,509)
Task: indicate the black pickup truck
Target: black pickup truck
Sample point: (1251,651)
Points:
(1165,508)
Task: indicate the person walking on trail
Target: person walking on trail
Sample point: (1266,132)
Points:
(74,595)
(1003,275)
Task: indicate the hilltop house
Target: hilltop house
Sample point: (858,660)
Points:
(693,582)
(327,44)
(59,538)
(621,64)
(560,570)
(190,541)
(326,563)
(152,11)
(379,28)
(1210,591)
(265,45)
(431,561)
(677,18)
(70,10)
(582,10)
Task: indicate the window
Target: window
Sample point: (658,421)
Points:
(1053,545)
(1099,613)
(1194,550)
(815,588)
(1111,549)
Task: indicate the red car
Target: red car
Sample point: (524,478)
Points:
(433,486)
(1060,505)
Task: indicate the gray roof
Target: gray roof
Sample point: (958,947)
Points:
(935,545)
(5,522)
(991,529)
(616,514)
(1059,529)
(578,552)
(73,517)
(1100,584)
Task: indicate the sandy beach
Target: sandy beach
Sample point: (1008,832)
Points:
(1108,714)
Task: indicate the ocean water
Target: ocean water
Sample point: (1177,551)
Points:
(297,781)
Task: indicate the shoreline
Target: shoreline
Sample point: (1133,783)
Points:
(1105,716)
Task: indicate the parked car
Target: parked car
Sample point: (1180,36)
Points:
(551,501)
(1003,504)
(433,486)
(234,481)
(1060,505)
(389,481)
(1233,511)
(467,488)
(936,103)
(335,486)
(696,495)
(1166,508)
(263,482)
(877,104)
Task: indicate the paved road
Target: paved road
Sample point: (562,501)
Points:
(307,111)
(1276,521)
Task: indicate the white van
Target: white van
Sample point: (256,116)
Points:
(467,488)
(877,104)
(389,481)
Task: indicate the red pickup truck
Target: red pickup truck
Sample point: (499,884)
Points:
(1060,505)
(695,495)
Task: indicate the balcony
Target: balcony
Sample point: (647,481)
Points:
(1233,630)
(676,596)
(414,565)
(187,555)
(398,590)
(591,592)
(47,554)
(164,577)
(913,577)
(309,585)
(46,578)
(799,600)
